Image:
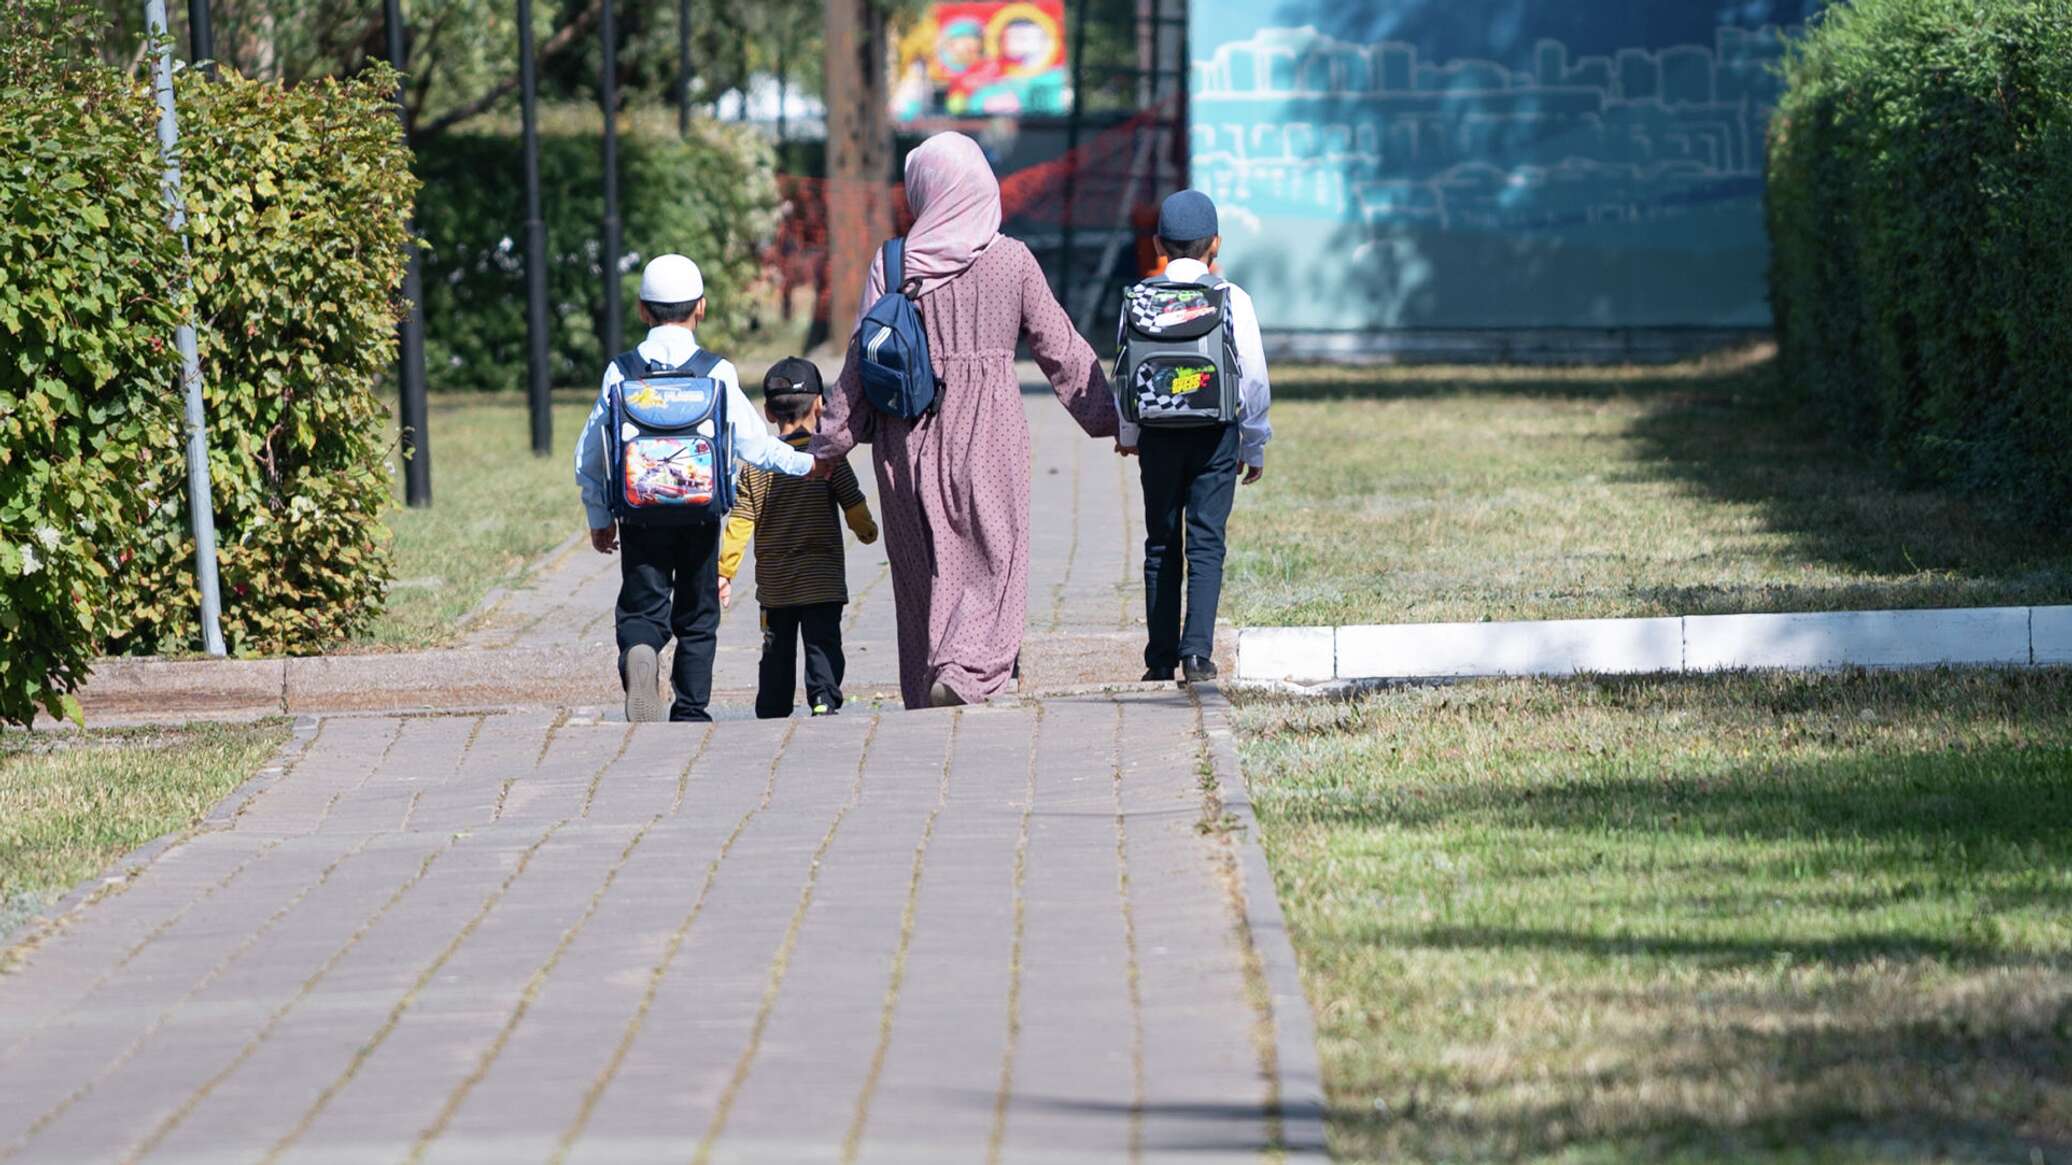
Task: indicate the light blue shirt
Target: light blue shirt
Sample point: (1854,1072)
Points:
(669,346)
(1255,394)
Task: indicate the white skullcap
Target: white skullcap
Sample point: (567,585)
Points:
(671,279)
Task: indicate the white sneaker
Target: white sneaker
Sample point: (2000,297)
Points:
(643,692)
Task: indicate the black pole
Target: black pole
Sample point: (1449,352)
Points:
(536,396)
(417,450)
(201,40)
(1065,239)
(608,96)
(683,69)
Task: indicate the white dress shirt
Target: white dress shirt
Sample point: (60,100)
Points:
(1255,394)
(669,346)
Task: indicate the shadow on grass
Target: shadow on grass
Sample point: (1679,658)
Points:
(1727,429)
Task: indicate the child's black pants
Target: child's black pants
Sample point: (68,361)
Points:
(819,626)
(1190,476)
(669,586)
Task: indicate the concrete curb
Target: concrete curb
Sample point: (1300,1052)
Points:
(1957,637)
(1301,1073)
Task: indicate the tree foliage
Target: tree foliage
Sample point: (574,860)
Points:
(1920,208)
(88,302)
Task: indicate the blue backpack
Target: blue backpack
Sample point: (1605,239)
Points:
(893,348)
(670,449)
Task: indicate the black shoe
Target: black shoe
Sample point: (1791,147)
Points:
(1158,675)
(1197,669)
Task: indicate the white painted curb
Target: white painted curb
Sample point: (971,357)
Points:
(1985,636)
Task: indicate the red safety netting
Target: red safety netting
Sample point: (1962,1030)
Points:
(1109,182)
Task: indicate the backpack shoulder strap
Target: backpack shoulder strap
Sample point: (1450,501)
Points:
(895,264)
(631,365)
(703,361)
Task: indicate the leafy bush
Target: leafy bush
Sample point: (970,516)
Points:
(298,199)
(88,303)
(1920,210)
(713,198)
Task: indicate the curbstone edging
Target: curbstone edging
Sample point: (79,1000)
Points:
(1276,657)
(1301,1074)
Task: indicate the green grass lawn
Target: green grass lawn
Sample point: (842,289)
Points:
(1449,494)
(71,803)
(1753,918)
(496,508)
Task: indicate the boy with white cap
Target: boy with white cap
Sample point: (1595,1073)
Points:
(669,575)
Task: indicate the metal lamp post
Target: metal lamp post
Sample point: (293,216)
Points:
(608,96)
(201,39)
(537,399)
(417,452)
(201,507)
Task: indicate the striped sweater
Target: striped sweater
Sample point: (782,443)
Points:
(798,542)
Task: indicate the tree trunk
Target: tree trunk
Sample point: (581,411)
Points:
(859,155)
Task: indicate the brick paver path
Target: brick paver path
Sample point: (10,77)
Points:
(1014,934)
(1086,570)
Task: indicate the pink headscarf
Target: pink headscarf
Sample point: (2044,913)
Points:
(955,198)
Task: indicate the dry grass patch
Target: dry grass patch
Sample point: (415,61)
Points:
(1750,918)
(1444,494)
(71,803)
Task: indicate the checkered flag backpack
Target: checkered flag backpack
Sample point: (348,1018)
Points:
(1177,364)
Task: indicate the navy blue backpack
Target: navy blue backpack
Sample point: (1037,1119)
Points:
(893,345)
(670,450)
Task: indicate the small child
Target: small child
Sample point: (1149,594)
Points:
(800,583)
(1190,474)
(669,574)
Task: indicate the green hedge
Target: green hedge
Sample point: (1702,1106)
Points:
(298,199)
(1920,211)
(713,198)
(87,308)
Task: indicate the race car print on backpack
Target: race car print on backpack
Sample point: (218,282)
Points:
(671,450)
(1177,363)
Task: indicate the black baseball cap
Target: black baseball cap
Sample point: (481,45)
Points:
(792,376)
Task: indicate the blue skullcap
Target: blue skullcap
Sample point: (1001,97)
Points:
(1187,216)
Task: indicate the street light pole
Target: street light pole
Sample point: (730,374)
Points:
(417,450)
(201,507)
(536,394)
(201,40)
(608,96)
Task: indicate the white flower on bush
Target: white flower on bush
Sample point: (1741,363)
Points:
(49,536)
(30,563)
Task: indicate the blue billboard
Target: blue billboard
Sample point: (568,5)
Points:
(1464,164)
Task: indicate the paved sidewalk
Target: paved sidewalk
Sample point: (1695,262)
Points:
(1086,571)
(1019,934)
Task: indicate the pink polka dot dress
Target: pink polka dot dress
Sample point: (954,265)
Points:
(954,487)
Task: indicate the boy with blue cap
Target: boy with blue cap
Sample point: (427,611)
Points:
(669,574)
(1190,474)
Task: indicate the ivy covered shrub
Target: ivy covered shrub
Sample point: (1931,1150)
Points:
(713,198)
(298,200)
(88,302)
(1920,213)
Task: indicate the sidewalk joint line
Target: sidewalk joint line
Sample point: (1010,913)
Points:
(852,1141)
(683,779)
(526,998)
(997,1135)
(165,1016)
(781,963)
(395,1016)
(597,778)
(165,1127)
(1129,939)
(610,1071)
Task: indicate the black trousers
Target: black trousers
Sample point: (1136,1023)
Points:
(669,586)
(1190,478)
(819,626)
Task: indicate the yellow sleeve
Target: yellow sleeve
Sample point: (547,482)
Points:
(740,528)
(859,516)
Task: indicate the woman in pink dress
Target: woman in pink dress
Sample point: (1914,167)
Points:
(954,487)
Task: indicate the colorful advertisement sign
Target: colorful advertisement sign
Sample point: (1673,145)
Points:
(983,60)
